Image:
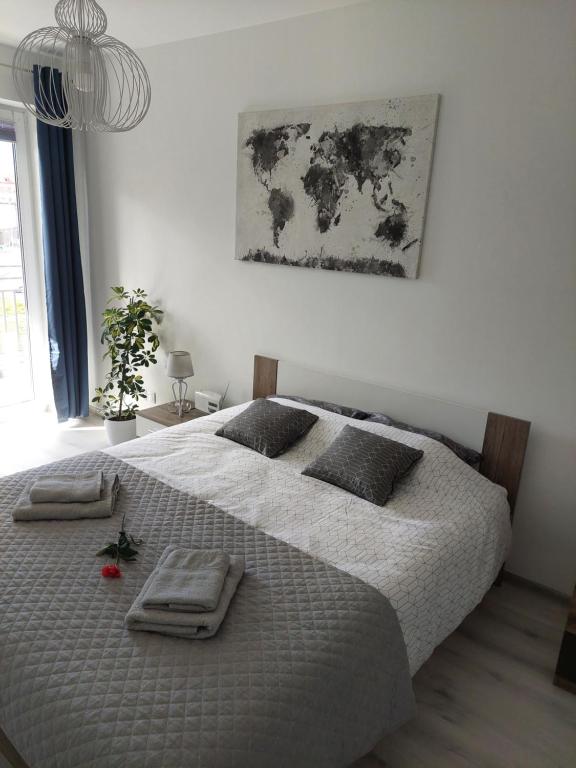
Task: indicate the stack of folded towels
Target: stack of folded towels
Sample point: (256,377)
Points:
(63,496)
(187,594)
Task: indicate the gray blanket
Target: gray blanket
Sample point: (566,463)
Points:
(309,670)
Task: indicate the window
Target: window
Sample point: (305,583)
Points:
(16,382)
(22,346)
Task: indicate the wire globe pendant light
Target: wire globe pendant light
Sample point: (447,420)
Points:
(76,76)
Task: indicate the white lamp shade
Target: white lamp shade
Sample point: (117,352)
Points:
(179,365)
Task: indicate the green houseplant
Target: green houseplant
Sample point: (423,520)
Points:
(131,344)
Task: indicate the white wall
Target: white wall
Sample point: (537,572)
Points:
(492,319)
(7,89)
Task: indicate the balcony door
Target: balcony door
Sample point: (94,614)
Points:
(23,353)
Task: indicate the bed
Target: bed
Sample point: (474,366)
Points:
(341,602)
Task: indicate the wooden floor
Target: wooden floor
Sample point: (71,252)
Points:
(31,438)
(486,699)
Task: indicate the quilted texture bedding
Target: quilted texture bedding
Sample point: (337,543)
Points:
(434,550)
(308,670)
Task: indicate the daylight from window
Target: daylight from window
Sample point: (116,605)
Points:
(15,368)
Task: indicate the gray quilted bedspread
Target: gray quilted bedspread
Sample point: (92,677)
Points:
(308,670)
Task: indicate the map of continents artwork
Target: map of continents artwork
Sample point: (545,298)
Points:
(341,187)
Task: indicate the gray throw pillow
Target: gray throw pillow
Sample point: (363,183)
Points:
(365,464)
(342,410)
(267,427)
(469,455)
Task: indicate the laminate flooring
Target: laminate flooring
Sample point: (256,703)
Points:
(485,699)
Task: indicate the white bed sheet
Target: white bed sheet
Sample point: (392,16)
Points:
(434,550)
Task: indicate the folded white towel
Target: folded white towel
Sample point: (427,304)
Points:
(185,624)
(25,510)
(188,580)
(65,488)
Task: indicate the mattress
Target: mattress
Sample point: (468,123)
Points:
(433,551)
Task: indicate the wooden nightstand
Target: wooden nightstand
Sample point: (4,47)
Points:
(160,416)
(565,675)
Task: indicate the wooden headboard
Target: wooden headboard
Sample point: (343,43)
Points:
(502,439)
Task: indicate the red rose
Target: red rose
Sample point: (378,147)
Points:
(111,572)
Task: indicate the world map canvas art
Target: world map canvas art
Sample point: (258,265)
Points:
(339,187)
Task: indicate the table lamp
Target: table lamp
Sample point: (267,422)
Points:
(179,367)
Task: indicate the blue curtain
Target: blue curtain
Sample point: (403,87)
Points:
(62,262)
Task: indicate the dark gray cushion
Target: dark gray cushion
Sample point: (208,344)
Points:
(343,410)
(365,464)
(469,455)
(267,427)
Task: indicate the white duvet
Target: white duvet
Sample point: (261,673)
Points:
(433,550)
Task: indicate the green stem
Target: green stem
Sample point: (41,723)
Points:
(122,375)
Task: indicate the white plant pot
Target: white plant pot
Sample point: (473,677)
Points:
(120,431)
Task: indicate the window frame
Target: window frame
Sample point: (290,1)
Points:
(28,193)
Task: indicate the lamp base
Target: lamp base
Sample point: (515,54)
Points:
(180,405)
(184,407)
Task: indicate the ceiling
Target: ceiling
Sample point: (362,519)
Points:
(141,23)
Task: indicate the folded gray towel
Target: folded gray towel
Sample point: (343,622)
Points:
(193,626)
(25,510)
(67,488)
(188,580)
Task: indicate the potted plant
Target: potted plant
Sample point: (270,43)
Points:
(131,344)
